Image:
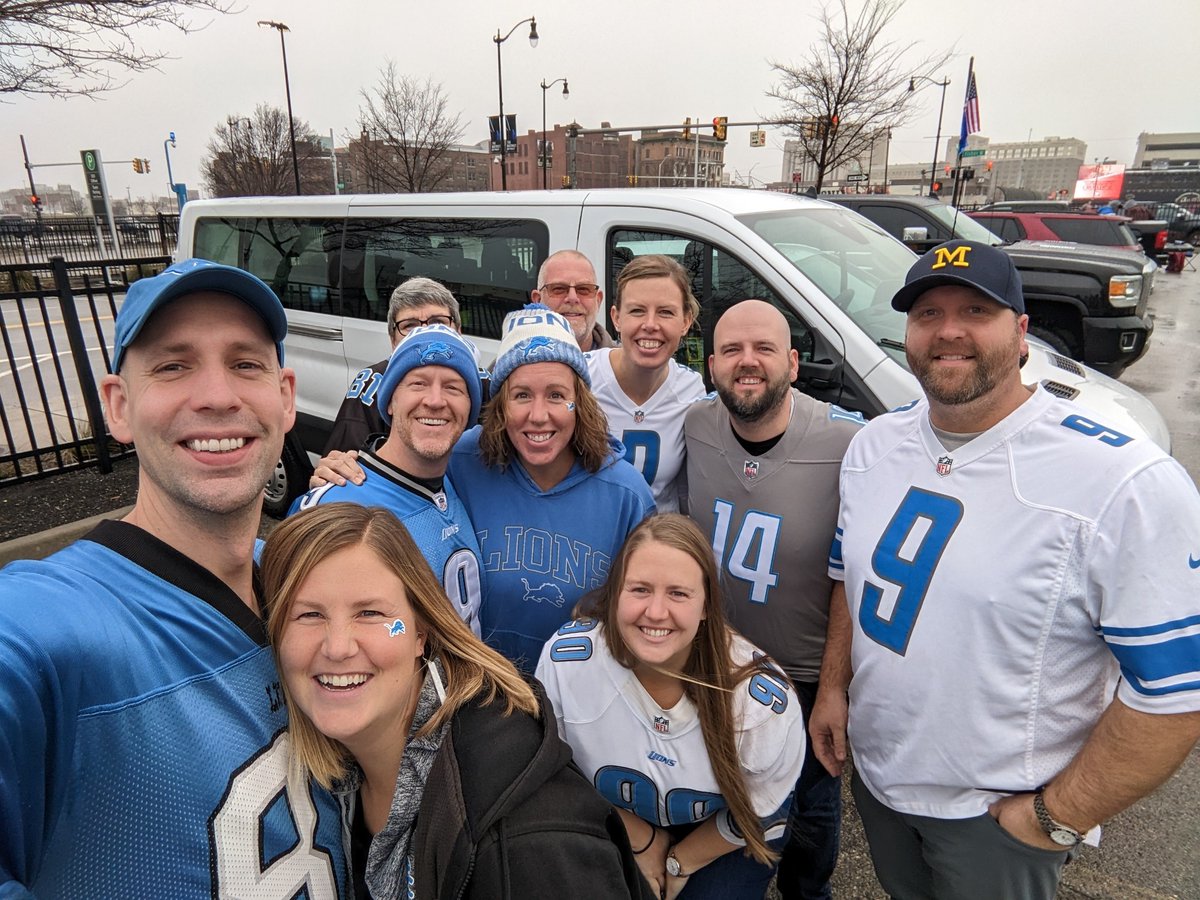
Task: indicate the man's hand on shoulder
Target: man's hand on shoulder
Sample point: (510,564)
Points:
(338,467)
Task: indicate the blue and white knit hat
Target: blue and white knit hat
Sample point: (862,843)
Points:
(431,345)
(536,334)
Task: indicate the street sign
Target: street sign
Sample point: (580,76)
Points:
(796,178)
(758,138)
(91,175)
(979,152)
(857,176)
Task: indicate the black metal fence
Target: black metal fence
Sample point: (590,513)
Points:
(82,238)
(56,322)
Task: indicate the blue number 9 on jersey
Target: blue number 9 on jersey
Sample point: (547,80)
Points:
(940,515)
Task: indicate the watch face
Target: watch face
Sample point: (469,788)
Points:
(1064,837)
(673,868)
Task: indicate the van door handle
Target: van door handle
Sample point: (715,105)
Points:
(323,332)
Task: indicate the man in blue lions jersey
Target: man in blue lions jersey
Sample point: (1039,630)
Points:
(428,395)
(143,742)
(1022,584)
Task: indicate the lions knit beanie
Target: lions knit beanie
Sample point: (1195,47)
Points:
(536,334)
(431,345)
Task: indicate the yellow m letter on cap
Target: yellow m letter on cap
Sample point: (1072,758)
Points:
(954,257)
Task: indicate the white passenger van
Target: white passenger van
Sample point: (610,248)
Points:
(334,261)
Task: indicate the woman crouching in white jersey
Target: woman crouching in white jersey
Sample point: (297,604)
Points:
(640,387)
(679,721)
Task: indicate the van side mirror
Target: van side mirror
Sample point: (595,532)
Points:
(915,233)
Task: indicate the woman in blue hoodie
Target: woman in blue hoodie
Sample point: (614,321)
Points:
(548,491)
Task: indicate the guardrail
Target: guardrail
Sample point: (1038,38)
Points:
(81,238)
(56,323)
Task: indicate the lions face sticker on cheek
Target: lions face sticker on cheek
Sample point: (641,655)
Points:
(396,628)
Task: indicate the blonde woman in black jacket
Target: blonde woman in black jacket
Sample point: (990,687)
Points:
(457,780)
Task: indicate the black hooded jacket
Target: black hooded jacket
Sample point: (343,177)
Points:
(506,814)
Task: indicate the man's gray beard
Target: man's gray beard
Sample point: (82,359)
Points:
(754,410)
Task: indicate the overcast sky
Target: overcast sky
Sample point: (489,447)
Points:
(1101,71)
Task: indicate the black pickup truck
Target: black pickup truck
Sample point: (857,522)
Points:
(1086,303)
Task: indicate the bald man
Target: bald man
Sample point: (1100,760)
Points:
(567,284)
(762,469)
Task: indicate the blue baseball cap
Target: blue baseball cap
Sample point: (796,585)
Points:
(987,269)
(431,345)
(147,295)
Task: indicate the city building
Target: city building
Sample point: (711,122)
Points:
(370,165)
(676,159)
(601,160)
(1032,169)
(1167,150)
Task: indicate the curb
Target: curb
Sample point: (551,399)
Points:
(43,543)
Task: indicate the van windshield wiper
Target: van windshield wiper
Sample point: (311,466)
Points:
(891,343)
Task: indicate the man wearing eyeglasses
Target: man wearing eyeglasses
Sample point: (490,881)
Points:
(416,302)
(567,284)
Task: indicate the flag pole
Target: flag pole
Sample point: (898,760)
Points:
(962,135)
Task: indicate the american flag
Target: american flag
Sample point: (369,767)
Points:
(970,119)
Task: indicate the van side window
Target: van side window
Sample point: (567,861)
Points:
(296,257)
(490,265)
(719,280)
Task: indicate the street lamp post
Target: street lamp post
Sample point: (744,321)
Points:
(944,83)
(287,87)
(566,93)
(167,145)
(533,39)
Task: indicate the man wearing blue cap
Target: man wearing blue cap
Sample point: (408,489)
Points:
(143,743)
(428,396)
(1024,659)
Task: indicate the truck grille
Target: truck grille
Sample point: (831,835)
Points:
(1060,390)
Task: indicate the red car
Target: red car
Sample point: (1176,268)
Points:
(1078,228)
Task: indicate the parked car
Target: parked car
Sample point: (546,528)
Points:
(1027,206)
(1182,224)
(335,260)
(1148,237)
(1088,303)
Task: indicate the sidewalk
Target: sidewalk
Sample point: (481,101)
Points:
(43,543)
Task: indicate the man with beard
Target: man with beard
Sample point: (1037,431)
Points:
(428,396)
(1005,557)
(762,473)
(143,739)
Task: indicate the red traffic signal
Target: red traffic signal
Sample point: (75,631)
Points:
(35,200)
(719,123)
(937,185)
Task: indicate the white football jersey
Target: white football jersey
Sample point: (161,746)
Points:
(652,432)
(653,761)
(999,590)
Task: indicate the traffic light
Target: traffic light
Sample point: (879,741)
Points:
(989,165)
(937,185)
(833,123)
(948,168)
(632,179)
(137,166)
(35,200)
(687,128)
(719,123)
(146,166)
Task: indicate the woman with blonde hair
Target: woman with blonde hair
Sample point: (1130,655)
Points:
(681,723)
(460,787)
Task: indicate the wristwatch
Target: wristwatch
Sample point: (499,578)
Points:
(1063,835)
(673,868)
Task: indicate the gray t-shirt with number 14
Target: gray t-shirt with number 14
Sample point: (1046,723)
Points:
(772,520)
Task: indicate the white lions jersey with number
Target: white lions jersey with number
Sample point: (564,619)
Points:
(653,761)
(652,432)
(997,592)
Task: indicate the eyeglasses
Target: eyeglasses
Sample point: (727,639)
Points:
(559,289)
(404,326)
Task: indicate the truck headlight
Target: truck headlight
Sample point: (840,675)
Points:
(1124,290)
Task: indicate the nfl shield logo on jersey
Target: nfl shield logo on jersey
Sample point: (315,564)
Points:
(638,417)
(663,724)
(944,465)
(750,469)
(439,500)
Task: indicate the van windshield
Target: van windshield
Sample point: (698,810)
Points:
(959,224)
(856,264)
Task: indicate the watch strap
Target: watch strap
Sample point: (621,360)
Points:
(1049,824)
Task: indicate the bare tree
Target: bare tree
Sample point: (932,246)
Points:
(406,133)
(59,48)
(854,87)
(253,157)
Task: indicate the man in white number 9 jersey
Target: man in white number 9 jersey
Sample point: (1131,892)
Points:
(1009,560)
